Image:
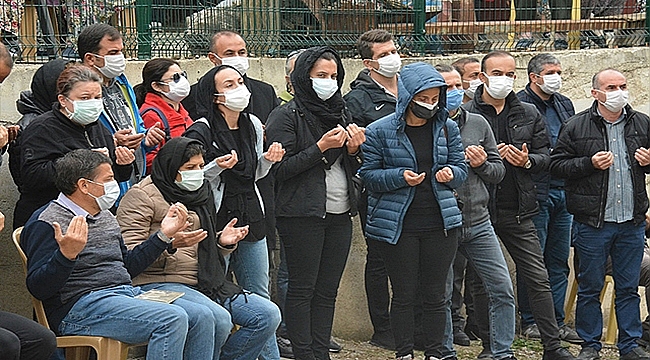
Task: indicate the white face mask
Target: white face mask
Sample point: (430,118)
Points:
(500,86)
(389,65)
(191,180)
(114,65)
(85,111)
(552,84)
(616,100)
(111,194)
(238,62)
(236,99)
(473,85)
(324,88)
(177,90)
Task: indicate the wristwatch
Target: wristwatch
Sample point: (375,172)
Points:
(528,164)
(164,238)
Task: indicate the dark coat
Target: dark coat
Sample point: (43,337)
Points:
(564,108)
(525,125)
(586,187)
(367,101)
(300,176)
(46,139)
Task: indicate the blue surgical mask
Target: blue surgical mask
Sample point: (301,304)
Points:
(454,99)
(324,88)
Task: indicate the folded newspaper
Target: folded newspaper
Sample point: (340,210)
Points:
(162,296)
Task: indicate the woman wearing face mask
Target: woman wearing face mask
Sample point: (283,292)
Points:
(71,124)
(194,263)
(235,159)
(315,195)
(413,161)
(159,97)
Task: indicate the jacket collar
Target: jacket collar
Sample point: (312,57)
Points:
(377,94)
(598,119)
(515,108)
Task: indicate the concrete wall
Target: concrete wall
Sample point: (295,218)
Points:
(351,319)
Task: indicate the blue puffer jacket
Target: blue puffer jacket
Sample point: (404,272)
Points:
(388,153)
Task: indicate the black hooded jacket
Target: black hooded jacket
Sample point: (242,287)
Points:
(300,176)
(367,101)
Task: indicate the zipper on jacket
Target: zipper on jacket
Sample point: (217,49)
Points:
(88,139)
(518,219)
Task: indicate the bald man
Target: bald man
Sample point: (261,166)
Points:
(602,153)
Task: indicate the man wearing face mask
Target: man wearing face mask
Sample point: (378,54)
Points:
(229,48)
(602,153)
(553,222)
(522,142)
(100,47)
(478,243)
(80,268)
(468,68)
(373,95)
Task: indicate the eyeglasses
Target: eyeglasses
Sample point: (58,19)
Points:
(176,77)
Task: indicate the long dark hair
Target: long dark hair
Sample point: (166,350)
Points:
(152,71)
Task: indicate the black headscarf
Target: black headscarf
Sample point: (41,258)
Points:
(221,134)
(44,83)
(211,273)
(321,116)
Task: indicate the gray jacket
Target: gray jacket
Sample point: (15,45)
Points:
(474,194)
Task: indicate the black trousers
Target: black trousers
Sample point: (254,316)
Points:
(316,251)
(420,262)
(520,239)
(375,277)
(24,339)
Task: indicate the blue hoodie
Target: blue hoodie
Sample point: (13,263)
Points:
(388,152)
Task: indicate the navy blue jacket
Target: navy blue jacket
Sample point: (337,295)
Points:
(388,153)
(564,108)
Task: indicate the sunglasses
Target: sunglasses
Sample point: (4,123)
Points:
(176,77)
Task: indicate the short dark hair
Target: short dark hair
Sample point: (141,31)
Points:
(536,64)
(5,57)
(191,151)
(152,71)
(492,54)
(217,35)
(75,165)
(459,64)
(74,74)
(91,36)
(370,38)
(444,68)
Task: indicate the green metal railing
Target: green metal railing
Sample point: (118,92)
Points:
(37,30)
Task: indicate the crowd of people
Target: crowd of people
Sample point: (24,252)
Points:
(178,188)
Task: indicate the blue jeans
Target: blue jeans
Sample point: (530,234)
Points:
(250,263)
(117,314)
(195,304)
(258,318)
(479,244)
(553,224)
(624,243)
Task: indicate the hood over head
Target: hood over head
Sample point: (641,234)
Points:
(415,78)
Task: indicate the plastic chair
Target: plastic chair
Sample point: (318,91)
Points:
(612,326)
(77,347)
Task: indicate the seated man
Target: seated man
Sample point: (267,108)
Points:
(80,268)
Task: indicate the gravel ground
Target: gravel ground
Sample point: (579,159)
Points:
(524,350)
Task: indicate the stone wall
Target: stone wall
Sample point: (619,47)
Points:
(351,319)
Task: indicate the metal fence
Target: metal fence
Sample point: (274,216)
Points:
(37,30)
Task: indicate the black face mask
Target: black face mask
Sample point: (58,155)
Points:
(422,112)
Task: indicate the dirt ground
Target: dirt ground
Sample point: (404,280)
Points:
(524,350)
